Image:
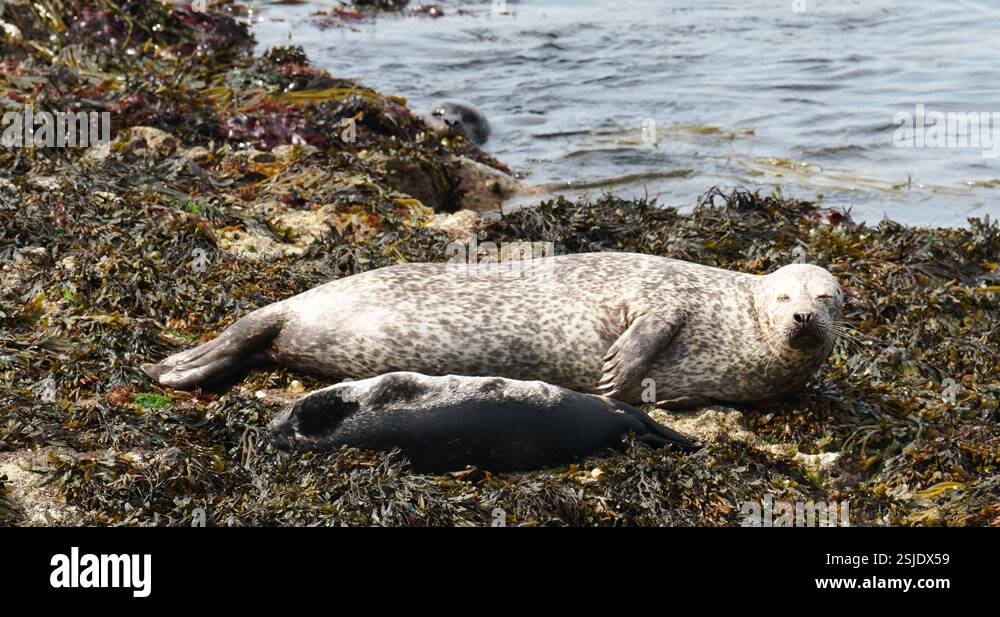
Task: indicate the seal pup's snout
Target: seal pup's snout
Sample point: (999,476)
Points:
(281,430)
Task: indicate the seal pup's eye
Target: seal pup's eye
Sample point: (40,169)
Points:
(824,297)
(783,298)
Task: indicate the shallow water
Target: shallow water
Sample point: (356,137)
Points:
(753,93)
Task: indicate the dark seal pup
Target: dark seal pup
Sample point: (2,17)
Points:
(629,326)
(445,423)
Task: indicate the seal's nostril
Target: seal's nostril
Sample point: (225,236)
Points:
(802,318)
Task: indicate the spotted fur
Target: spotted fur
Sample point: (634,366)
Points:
(594,322)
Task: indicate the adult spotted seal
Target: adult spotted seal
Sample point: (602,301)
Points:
(459,118)
(625,325)
(445,423)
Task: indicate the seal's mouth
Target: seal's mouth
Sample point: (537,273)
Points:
(443,125)
(805,336)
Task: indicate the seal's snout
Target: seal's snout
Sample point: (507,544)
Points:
(807,331)
(281,431)
(805,326)
(804,319)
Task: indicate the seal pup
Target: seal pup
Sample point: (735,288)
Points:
(630,326)
(459,118)
(445,423)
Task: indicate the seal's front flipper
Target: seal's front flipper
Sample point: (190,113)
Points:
(629,358)
(222,358)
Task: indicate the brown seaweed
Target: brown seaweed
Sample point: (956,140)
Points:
(110,261)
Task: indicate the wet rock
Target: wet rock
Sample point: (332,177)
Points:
(198,154)
(706,425)
(166,460)
(819,464)
(419,179)
(96,154)
(253,155)
(458,183)
(47,183)
(36,501)
(290,152)
(712,425)
(150,141)
(17,266)
(457,225)
(275,229)
(481,187)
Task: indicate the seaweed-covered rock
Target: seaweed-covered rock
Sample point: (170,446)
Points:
(110,261)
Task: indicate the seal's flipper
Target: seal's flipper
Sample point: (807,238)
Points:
(628,360)
(222,358)
(660,436)
(656,442)
(154,370)
(654,434)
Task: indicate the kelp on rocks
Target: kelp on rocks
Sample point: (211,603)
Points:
(228,187)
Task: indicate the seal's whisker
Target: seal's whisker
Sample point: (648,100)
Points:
(852,335)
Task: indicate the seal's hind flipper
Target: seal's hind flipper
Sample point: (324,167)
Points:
(655,434)
(154,370)
(664,436)
(222,358)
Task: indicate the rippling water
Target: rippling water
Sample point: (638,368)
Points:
(754,93)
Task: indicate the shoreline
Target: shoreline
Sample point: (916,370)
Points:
(231,188)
